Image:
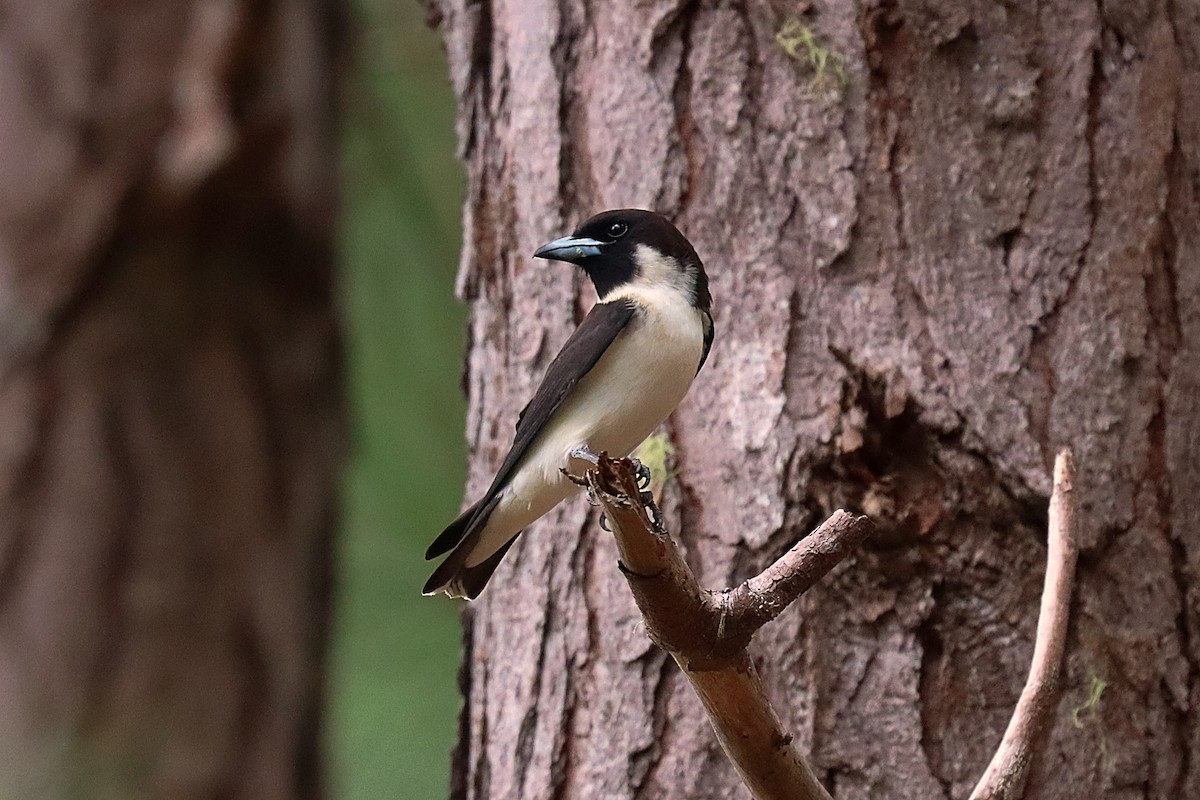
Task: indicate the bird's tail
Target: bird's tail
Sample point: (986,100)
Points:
(460,538)
(456,579)
(455,532)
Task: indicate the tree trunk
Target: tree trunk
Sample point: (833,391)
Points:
(981,246)
(169,405)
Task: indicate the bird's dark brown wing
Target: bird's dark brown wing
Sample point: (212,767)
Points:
(582,350)
(587,344)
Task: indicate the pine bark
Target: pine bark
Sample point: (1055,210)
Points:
(169,406)
(980,247)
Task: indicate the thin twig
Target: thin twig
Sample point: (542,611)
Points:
(763,597)
(1005,776)
(708,634)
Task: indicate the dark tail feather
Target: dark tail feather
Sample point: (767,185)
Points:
(462,581)
(455,532)
(471,580)
(461,537)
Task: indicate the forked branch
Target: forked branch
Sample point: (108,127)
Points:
(707,633)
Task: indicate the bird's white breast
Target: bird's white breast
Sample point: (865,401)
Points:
(643,376)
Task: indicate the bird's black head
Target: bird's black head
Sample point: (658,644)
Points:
(630,246)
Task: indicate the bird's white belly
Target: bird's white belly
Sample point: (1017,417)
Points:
(635,386)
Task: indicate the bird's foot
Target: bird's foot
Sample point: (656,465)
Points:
(652,512)
(643,475)
(649,508)
(582,482)
(573,478)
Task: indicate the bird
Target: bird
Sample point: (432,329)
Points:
(622,372)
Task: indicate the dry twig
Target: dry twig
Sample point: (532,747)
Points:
(1004,778)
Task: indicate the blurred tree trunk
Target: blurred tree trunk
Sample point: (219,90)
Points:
(170,412)
(979,247)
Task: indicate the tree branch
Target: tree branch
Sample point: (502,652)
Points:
(1004,778)
(707,633)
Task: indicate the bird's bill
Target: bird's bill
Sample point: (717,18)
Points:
(569,248)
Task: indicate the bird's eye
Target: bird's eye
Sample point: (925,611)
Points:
(617,230)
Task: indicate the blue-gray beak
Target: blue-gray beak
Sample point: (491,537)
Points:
(569,248)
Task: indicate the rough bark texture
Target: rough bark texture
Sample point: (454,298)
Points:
(982,247)
(169,403)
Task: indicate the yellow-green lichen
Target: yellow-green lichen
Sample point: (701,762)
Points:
(1087,714)
(658,454)
(1089,709)
(800,44)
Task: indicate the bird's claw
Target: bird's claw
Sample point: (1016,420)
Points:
(575,479)
(643,475)
(651,508)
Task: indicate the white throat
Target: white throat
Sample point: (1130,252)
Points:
(660,272)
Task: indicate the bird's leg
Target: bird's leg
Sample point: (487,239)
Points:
(584,454)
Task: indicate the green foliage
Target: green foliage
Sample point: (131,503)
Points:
(799,42)
(393,694)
